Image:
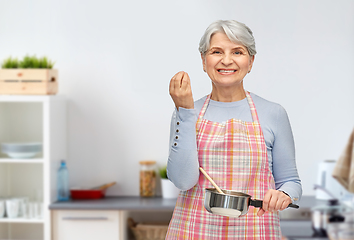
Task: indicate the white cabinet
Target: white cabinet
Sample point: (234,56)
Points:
(108,217)
(87,224)
(101,224)
(31,119)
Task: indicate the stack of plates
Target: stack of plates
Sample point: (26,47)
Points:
(21,150)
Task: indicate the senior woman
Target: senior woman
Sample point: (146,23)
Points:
(243,141)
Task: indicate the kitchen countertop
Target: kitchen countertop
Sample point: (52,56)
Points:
(139,203)
(117,203)
(295,223)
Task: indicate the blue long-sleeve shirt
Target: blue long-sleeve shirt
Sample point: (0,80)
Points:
(183,165)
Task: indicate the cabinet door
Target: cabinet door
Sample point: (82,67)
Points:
(88,225)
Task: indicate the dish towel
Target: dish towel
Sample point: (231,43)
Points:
(344,168)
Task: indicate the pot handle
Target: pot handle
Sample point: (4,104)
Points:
(256,203)
(259,204)
(293,205)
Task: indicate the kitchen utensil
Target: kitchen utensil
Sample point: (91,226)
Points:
(211,180)
(12,208)
(21,150)
(230,203)
(77,193)
(91,193)
(2,208)
(32,209)
(23,201)
(104,186)
(35,210)
(39,210)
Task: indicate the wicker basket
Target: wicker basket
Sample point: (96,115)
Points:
(148,231)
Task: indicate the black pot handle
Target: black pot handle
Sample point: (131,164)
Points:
(256,203)
(293,205)
(259,204)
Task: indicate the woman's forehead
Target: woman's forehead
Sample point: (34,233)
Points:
(221,40)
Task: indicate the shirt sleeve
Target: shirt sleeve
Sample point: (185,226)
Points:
(182,165)
(283,153)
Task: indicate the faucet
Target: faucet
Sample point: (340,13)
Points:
(316,186)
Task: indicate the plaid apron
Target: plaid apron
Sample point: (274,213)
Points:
(234,154)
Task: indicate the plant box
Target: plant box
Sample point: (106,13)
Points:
(28,81)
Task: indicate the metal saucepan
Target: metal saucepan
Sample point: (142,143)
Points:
(229,203)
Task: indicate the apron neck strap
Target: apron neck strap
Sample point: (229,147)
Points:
(249,100)
(252,107)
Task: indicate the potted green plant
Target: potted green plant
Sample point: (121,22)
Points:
(169,190)
(31,75)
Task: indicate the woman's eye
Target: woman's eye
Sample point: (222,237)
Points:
(238,52)
(216,52)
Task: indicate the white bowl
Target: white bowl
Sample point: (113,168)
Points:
(21,150)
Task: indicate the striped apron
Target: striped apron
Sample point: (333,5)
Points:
(234,154)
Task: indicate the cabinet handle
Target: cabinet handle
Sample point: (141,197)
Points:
(85,218)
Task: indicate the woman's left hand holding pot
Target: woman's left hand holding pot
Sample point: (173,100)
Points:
(274,200)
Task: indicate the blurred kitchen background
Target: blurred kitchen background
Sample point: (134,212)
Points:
(115,60)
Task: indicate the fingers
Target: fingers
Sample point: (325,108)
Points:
(174,82)
(185,82)
(275,200)
(180,90)
(177,81)
(260,212)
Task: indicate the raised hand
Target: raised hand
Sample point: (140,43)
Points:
(181,91)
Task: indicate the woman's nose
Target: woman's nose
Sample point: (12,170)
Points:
(226,59)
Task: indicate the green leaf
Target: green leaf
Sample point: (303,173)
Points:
(10,63)
(163,172)
(28,62)
(43,62)
(35,62)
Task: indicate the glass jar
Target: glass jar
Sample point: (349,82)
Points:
(147,178)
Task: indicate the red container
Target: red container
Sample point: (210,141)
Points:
(87,193)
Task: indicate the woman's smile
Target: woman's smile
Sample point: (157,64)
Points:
(226,71)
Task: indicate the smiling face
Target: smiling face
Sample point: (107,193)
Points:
(226,63)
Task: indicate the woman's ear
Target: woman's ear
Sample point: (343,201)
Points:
(251,63)
(203,61)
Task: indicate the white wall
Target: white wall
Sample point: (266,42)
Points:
(115,60)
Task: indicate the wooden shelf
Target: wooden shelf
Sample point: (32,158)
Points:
(30,98)
(21,220)
(27,161)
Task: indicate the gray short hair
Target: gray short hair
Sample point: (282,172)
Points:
(237,32)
